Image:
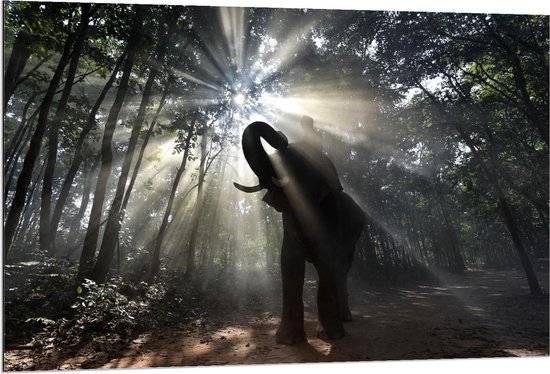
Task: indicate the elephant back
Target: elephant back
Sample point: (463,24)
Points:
(319,162)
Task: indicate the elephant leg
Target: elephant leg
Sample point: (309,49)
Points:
(291,329)
(345,313)
(345,266)
(330,324)
(354,222)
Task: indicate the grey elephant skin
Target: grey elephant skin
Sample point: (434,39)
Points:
(321,224)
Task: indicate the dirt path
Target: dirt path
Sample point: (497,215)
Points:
(481,314)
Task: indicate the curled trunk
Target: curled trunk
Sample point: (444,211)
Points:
(254,152)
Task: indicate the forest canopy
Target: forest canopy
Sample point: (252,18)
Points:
(122,127)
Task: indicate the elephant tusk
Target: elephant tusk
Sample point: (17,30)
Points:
(247,189)
(280,182)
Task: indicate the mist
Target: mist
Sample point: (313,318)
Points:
(437,125)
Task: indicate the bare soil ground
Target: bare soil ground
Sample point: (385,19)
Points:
(478,314)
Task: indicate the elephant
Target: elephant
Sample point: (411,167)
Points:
(321,225)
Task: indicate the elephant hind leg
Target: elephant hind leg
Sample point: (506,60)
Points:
(343,306)
(345,313)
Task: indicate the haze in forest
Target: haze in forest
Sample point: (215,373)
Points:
(123,123)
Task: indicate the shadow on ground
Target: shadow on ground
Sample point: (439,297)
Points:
(478,314)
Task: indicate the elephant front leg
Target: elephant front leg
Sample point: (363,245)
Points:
(291,329)
(328,304)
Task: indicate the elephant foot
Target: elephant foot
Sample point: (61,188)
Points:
(290,336)
(346,317)
(330,333)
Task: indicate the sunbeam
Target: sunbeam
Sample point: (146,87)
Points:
(233,24)
(178,173)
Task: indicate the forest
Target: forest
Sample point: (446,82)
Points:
(126,244)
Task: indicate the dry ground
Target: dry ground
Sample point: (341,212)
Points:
(479,314)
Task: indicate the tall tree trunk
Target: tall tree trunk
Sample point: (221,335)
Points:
(92,232)
(214,238)
(31,205)
(191,248)
(34,148)
(456,256)
(46,244)
(155,263)
(148,135)
(114,222)
(77,219)
(79,148)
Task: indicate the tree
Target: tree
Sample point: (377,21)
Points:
(428,57)
(78,157)
(25,175)
(186,146)
(46,242)
(22,45)
(112,228)
(92,232)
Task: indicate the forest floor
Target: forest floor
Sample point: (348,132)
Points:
(478,314)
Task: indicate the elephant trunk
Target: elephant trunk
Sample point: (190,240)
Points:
(255,154)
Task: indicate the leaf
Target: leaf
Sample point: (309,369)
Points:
(44,321)
(79,290)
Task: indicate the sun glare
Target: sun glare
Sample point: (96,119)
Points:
(239,99)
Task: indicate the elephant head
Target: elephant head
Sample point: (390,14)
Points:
(257,157)
(295,167)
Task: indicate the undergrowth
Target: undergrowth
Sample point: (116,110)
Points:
(46,309)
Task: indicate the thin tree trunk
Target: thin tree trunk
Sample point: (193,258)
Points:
(46,244)
(216,233)
(143,146)
(155,263)
(456,256)
(32,201)
(205,248)
(92,232)
(74,229)
(191,250)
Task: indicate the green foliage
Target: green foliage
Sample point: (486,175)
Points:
(41,320)
(101,309)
